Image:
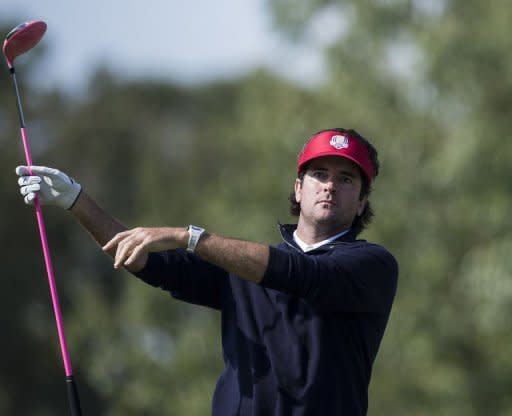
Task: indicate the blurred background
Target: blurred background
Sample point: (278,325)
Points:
(193,112)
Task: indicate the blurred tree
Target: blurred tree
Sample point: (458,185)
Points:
(427,81)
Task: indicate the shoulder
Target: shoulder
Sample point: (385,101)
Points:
(374,248)
(362,246)
(365,251)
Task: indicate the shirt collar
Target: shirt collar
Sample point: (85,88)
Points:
(286,231)
(308,247)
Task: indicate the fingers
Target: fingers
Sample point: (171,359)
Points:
(22,170)
(28,180)
(29,187)
(137,253)
(29,198)
(30,191)
(124,250)
(115,240)
(130,244)
(25,190)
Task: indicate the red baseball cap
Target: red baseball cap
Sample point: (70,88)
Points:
(335,143)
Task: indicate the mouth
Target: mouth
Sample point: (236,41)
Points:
(327,202)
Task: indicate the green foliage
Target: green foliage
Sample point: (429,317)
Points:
(429,82)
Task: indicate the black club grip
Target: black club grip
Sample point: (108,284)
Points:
(73,399)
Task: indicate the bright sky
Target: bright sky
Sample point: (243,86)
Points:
(189,41)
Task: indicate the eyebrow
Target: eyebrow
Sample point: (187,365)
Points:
(343,172)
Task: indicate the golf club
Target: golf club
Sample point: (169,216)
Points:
(18,41)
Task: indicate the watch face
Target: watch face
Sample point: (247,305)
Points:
(194,236)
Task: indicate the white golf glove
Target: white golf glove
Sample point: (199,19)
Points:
(51,186)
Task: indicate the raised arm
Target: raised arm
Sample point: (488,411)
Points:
(130,248)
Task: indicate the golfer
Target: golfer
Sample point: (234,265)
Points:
(301,321)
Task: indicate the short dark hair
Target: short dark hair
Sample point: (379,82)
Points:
(360,221)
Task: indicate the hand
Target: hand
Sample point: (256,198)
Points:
(133,246)
(51,186)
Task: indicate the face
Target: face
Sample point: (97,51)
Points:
(329,194)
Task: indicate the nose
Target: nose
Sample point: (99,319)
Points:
(329,186)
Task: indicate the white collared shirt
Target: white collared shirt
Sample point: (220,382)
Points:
(308,247)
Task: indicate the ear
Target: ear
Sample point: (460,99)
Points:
(298,190)
(362,205)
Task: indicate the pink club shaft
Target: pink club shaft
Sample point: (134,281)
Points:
(21,39)
(49,266)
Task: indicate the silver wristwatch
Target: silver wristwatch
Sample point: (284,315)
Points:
(194,234)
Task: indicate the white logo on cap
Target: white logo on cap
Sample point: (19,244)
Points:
(339,142)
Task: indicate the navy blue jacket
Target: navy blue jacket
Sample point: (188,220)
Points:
(303,340)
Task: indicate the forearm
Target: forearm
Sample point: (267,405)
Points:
(100,225)
(244,259)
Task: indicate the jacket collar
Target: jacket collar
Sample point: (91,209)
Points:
(287,235)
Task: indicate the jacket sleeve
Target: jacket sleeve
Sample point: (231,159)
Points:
(362,278)
(186,277)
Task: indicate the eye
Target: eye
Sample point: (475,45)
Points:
(318,174)
(346,179)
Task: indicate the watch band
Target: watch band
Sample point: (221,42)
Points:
(194,234)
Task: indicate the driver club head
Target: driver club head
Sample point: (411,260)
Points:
(22,38)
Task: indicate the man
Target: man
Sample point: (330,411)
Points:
(301,322)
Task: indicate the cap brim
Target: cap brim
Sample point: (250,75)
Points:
(330,153)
